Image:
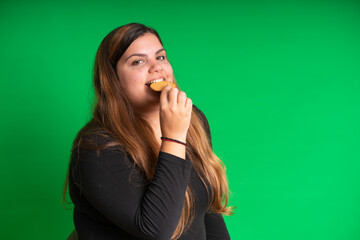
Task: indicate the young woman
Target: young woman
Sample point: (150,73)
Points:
(125,179)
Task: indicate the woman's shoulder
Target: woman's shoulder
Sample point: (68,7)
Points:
(197,110)
(203,120)
(201,115)
(94,137)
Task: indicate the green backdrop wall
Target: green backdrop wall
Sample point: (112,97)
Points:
(279,83)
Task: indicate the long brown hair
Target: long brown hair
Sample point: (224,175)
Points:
(114,114)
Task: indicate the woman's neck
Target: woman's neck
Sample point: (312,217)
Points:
(153,119)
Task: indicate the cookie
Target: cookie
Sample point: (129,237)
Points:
(158,86)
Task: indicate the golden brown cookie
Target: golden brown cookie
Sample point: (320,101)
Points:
(158,86)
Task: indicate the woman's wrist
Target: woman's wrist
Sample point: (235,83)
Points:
(173,148)
(173,140)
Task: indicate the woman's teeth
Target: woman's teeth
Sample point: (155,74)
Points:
(155,81)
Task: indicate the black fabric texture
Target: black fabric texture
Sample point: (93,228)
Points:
(113,201)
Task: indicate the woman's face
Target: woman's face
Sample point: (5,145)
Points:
(145,60)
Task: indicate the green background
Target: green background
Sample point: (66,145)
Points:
(278,81)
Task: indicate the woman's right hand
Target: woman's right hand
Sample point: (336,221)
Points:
(175,113)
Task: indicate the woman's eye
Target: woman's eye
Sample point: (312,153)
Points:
(136,62)
(161,57)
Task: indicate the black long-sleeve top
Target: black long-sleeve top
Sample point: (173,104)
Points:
(114,201)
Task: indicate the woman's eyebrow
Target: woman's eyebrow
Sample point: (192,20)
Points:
(144,55)
(159,51)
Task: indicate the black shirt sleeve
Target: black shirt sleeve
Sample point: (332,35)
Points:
(204,122)
(215,227)
(146,211)
(214,222)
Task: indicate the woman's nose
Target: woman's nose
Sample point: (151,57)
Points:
(155,67)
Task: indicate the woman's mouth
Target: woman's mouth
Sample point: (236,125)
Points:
(154,81)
